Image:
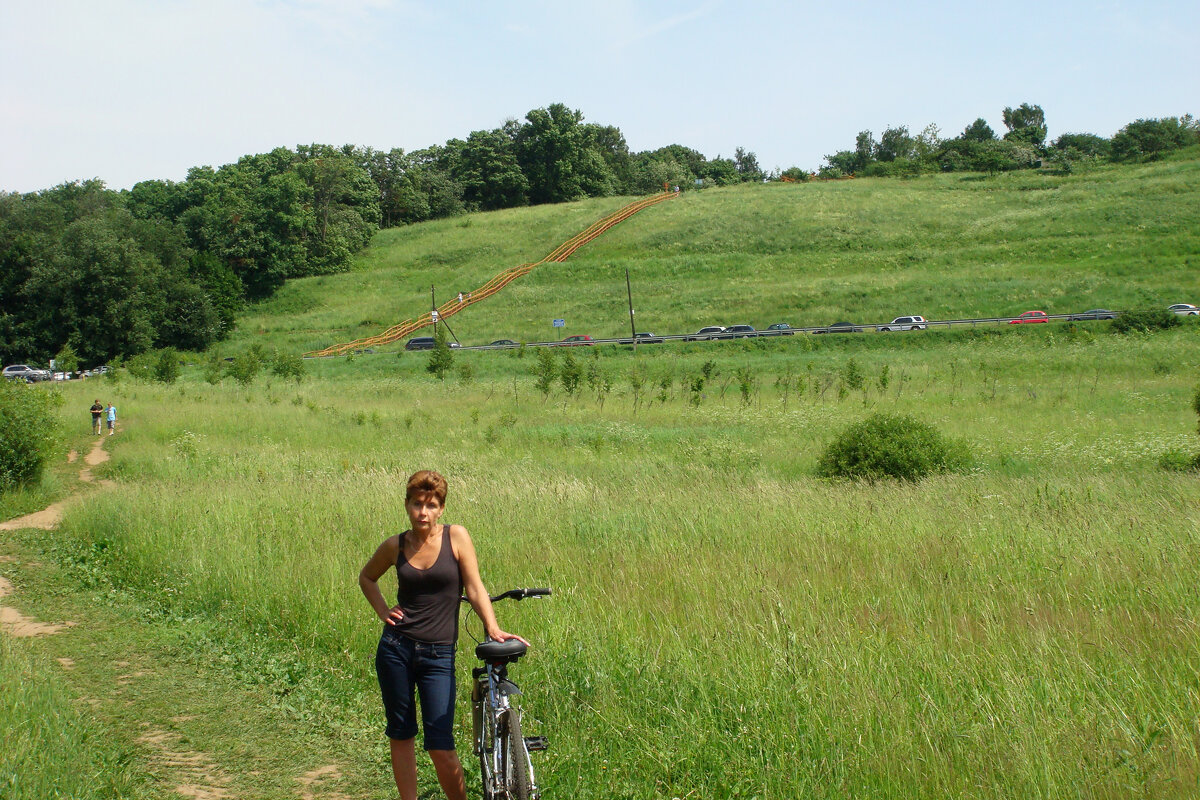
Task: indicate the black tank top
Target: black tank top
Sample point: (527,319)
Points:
(429,597)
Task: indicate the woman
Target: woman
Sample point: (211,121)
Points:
(435,564)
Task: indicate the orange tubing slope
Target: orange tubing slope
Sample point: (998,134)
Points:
(452,306)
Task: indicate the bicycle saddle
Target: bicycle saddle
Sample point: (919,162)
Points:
(500,651)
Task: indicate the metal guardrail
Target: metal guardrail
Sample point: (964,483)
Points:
(817,329)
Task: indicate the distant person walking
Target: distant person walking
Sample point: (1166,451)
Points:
(460,298)
(112,418)
(97,410)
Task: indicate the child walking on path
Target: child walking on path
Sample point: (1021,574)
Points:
(112,418)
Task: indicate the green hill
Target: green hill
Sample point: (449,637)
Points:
(946,246)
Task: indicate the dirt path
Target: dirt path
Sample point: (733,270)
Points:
(49,517)
(127,672)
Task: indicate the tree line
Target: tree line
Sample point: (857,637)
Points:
(98,274)
(1023,146)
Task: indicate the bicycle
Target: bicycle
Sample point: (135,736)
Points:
(500,744)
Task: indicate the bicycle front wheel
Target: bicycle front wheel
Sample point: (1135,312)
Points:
(514,758)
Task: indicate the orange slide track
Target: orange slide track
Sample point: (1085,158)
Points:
(453,306)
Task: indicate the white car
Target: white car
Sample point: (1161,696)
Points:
(1185,310)
(914,322)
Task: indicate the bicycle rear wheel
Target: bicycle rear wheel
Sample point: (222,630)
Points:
(514,758)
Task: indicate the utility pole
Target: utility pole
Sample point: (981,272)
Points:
(433,306)
(629,294)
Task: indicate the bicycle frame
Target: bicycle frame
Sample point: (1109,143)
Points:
(502,748)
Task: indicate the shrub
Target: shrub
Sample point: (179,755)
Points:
(885,446)
(66,360)
(287,365)
(167,368)
(244,368)
(441,358)
(1145,321)
(1178,460)
(28,432)
(545,369)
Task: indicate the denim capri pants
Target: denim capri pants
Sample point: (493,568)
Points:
(407,668)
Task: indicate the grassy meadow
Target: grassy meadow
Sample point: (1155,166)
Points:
(946,246)
(724,624)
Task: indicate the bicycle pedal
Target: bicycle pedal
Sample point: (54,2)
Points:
(533,743)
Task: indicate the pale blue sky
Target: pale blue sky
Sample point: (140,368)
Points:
(128,90)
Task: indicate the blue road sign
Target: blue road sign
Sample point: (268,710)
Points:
(560,323)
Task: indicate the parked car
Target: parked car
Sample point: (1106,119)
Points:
(575,341)
(23,372)
(425,343)
(840,327)
(739,332)
(643,338)
(914,322)
(779,329)
(504,343)
(707,333)
(1184,309)
(1095,313)
(1029,316)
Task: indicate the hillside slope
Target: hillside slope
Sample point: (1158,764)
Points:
(946,246)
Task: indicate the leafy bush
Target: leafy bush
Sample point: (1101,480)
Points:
(441,358)
(884,446)
(244,368)
(545,369)
(1145,321)
(28,432)
(167,368)
(1178,460)
(287,365)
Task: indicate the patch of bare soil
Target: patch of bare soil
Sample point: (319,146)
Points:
(314,785)
(193,774)
(14,623)
(95,457)
(46,519)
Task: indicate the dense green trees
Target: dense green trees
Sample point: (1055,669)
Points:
(978,149)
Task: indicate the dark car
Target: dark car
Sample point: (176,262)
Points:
(706,333)
(840,327)
(504,343)
(1095,313)
(739,331)
(642,338)
(780,329)
(424,343)
(578,339)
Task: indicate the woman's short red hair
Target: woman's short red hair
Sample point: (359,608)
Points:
(426,482)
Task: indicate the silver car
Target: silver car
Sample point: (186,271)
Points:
(1185,310)
(23,372)
(911,323)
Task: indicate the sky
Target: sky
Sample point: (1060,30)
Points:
(133,90)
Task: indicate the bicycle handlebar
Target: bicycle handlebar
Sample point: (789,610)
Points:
(516,594)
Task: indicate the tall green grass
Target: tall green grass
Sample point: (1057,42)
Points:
(724,624)
(51,749)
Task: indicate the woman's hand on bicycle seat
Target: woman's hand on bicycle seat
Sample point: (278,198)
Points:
(500,636)
(394,615)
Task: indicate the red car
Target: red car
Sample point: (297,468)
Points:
(1030,316)
(576,340)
